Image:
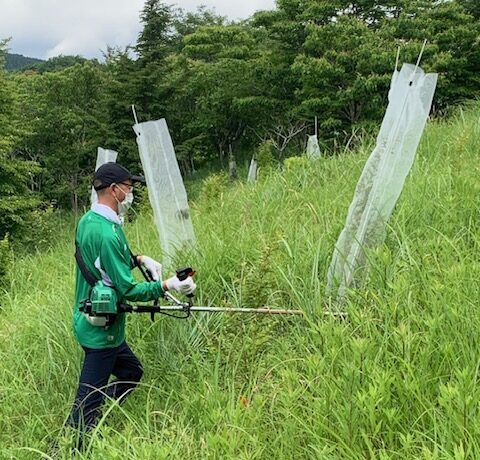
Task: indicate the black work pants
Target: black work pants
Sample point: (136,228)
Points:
(93,386)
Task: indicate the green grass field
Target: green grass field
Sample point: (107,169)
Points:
(397,379)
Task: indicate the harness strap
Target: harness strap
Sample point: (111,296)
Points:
(91,280)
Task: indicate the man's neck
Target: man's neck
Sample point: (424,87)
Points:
(105,210)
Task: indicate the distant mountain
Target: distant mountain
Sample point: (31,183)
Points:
(18,62)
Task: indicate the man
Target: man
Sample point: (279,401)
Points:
(106,255)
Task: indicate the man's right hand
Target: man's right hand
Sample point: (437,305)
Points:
(185,287)
(152,266)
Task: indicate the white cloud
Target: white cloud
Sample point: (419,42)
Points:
(46,28)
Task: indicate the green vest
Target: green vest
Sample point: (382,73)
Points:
(104,242)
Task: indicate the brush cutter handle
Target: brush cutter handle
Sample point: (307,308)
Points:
(184,273)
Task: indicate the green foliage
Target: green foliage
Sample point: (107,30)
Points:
(39,229)
(22,213)
(141,203)
(158,34)
(120,88)
(452,36)
(16,199)
(222,59)
(67,125)
(196,148)
(471,6)
(265,154)
(348,51)
(14,211)
(213,188)
(188,22)
(297,169)
(259,278)
(345,75)
(7,130)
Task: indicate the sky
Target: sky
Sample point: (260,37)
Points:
(47,28)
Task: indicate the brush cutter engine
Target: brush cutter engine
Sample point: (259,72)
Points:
(101,306)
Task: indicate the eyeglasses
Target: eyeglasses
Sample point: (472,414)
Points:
(130,186)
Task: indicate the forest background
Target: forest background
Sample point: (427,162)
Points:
(226,89)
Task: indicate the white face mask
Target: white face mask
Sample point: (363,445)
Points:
(124,206)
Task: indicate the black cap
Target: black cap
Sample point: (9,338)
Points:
(112,173)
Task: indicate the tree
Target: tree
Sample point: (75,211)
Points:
(16,200)
(121,89)
(220,59)
(452,51)
(158,36)
(169,82)
(64,110)
(162,37)
(347,57)
(471,7)
(345,72)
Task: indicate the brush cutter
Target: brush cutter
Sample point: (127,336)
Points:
(187,307)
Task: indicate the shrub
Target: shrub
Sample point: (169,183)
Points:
(266,154)
(39,229)
(213,188)
(297,170)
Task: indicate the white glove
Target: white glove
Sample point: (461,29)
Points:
(185,287)
(152,266)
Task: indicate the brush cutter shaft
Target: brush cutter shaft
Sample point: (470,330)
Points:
(266,311)
(160,308)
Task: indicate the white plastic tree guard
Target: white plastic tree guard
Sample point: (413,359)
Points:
(252,171)
(313,149)
(381,183)
(165,187)
(103,156)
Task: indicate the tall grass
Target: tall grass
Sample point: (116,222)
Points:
(397,379)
